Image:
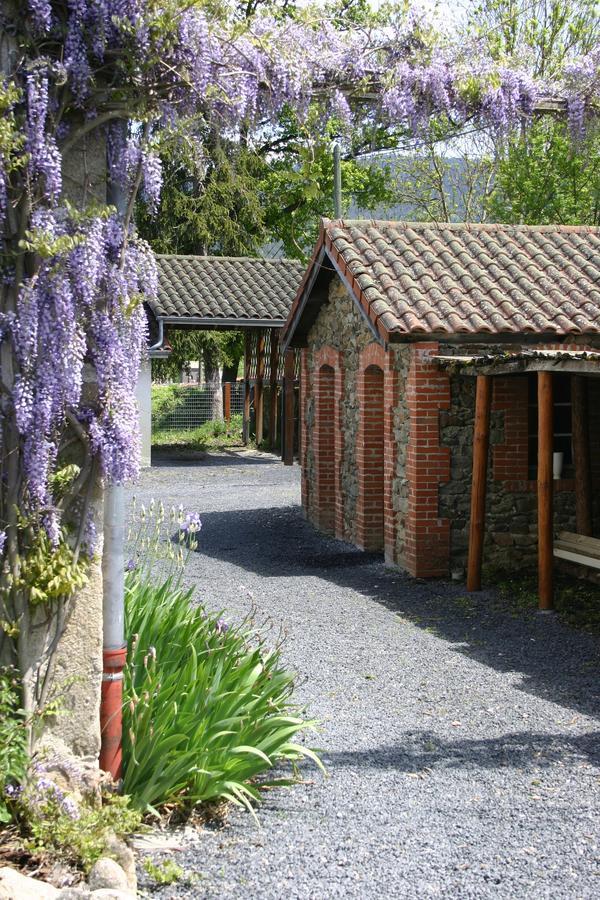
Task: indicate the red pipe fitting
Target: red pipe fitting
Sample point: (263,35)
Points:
(111,712)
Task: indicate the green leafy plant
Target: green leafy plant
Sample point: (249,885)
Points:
(166,872)
(51,573)
(208,707)
(13,742)
(79,834)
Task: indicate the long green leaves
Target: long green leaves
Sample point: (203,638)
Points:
(207,709)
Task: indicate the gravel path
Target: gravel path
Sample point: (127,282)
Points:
(461,742)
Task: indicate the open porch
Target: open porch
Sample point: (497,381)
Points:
(545,366)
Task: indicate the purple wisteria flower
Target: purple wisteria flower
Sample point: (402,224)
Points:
(2,541)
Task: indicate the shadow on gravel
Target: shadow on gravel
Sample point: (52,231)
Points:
(557,663)
(173,458)
(422,750)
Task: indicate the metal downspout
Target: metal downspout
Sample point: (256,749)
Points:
(113,587)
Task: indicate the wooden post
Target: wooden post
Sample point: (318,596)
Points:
(258,387)
(273,365)
(481,443)
(227,401)
(545,489)
(581,456)
(247,360)
(288,393)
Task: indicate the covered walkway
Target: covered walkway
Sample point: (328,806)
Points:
(247,294)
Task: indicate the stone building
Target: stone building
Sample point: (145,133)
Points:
(400,325)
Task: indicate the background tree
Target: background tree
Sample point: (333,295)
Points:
(545,177)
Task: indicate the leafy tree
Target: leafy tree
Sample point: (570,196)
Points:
(548,33)
(545,177)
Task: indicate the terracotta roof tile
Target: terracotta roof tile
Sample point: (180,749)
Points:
(422,278)
(218,287)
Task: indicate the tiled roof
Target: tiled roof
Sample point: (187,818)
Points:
(418,278)
(221,287)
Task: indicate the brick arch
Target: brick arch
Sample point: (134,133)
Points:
(376,451)
(328,439)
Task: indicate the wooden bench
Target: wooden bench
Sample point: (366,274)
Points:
(578,549)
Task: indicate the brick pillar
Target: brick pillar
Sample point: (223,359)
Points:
(324,444)
(370,460)
(376,451)
(427,536)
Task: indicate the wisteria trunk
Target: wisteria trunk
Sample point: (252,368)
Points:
(212,373)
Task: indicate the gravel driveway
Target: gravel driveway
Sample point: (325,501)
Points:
(461,742)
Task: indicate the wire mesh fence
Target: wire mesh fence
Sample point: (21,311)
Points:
(184,407)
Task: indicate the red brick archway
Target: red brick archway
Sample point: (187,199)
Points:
(329,514)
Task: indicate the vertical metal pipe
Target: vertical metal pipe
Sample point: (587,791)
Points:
(113,608)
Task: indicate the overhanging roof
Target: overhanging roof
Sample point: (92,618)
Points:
(225,292)
(454,280)
(583,361)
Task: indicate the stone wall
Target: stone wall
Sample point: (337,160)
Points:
(340,327)
(401,424)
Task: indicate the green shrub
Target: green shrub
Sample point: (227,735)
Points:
(166,399)
(13,742)
(208,707)
(214,435)
(79,832)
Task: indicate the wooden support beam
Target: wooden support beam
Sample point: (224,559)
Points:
(288,399)
(247,360)
(258,387)
(273,386)
(481,443)
(545,489)
(581,455)
(227,401)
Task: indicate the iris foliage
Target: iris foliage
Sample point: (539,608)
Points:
(208,706)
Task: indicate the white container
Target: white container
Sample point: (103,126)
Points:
(557,464)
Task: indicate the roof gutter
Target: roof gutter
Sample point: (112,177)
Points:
(232,322)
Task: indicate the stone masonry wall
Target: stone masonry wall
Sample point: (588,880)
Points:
(339,325)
